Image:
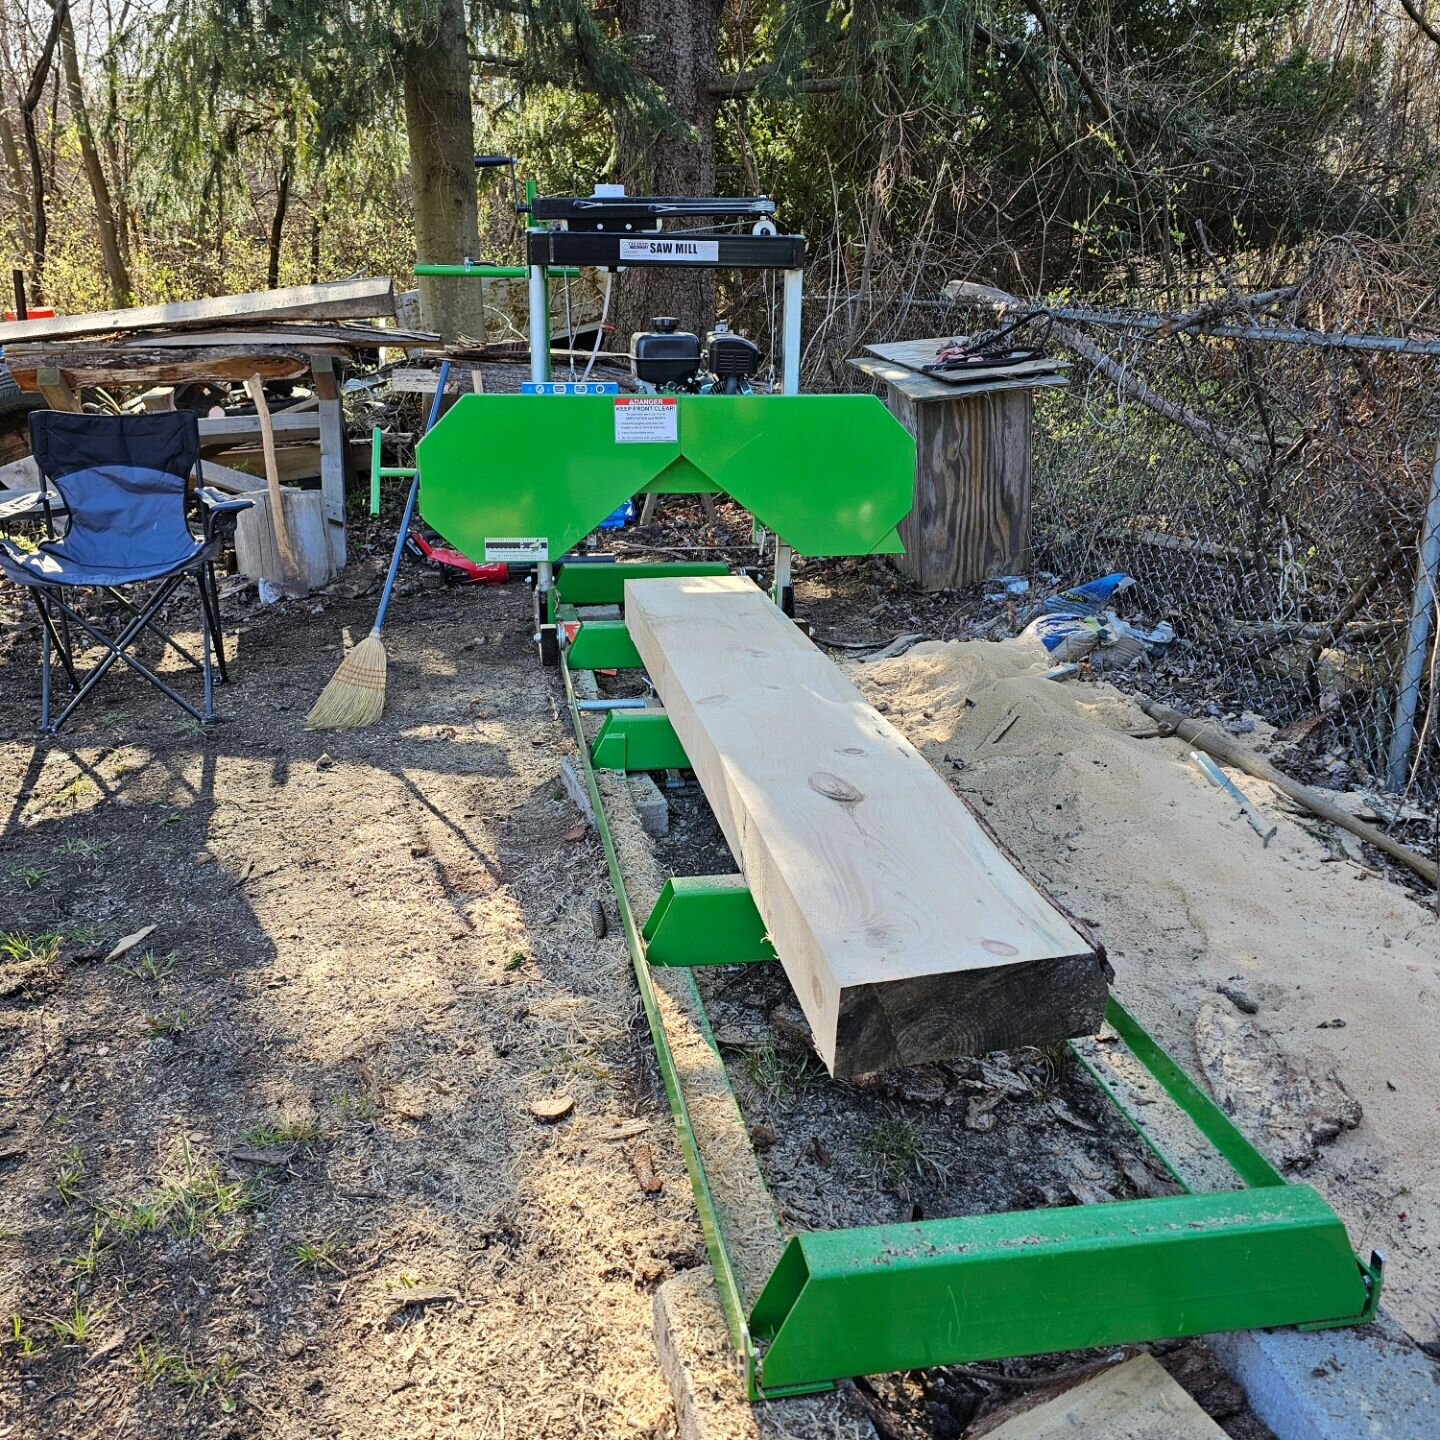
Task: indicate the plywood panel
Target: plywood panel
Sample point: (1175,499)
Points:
(907,933)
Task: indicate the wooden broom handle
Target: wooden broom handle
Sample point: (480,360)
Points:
(255,389)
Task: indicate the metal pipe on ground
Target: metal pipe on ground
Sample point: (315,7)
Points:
(1417,640)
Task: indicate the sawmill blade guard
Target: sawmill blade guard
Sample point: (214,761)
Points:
(827,474)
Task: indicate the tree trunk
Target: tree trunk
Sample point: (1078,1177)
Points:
(439,124)
(680,59)
(11,148)
(111,253)
(34,93)
(277,221)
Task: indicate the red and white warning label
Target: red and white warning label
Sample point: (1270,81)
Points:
(647,420)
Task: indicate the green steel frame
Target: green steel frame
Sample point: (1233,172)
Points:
(891,1297)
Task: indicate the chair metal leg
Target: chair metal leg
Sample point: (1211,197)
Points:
(165,637)
(44,676)
(119,651)
(210,600)
(205,649)
(47,622)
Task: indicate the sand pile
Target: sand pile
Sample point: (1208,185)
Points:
(1343,965)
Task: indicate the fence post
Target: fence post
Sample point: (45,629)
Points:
(1417,640)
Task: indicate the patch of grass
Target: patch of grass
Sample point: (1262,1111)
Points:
(896,1148)
(160,1362)
(194,1203)
(775,1074)
(318,1255)
(27,875)
(516,960)
(86,1264)
(168,1025)
(22,1341)
(86,937)
(78,1327)
(137,1217)
(356,1107)
(68,1175)
(154,1364)
(36,950)
(80,788)
(78,848)
(288,1130)
(150,966)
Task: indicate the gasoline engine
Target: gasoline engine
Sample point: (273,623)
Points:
(672,359)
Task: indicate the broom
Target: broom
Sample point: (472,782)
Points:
(355,696)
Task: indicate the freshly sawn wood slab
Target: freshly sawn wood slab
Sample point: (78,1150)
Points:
(906,932)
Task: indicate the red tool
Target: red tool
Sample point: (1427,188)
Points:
(455,568)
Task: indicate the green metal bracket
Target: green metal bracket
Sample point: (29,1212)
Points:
(901,1297)
(1207,1117)
(603,645)
(605,584)
(638,740)
(706,920)
(380,472)
(951,1291)
(495,272)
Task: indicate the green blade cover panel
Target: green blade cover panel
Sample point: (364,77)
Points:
(829,474)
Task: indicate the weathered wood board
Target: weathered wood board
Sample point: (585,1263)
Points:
(1133,1401)
(924,387)
(165,365)
(226,431)
(971,517)
(906,932)
(916,354)
(338,300)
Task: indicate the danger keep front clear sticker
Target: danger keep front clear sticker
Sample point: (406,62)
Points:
(647,420)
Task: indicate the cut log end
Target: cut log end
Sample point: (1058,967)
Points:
(964,1013)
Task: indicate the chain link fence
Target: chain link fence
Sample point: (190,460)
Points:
(1283,546)
(1267,496)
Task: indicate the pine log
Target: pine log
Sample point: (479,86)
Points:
(907,934)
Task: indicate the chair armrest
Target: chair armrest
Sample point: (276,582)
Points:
(26,505)
(218,511)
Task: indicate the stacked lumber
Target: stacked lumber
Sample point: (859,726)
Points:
(271,333)
(906,931)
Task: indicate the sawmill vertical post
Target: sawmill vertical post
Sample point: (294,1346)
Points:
(790,333)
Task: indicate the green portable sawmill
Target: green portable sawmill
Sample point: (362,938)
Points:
(528,478)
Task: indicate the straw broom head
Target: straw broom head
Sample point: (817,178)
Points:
(355,696)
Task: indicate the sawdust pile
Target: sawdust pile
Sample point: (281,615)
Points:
(1343,965)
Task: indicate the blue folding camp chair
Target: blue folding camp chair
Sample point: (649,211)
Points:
(123,481)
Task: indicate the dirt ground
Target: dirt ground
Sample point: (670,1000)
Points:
(277,1166)
(275,1172)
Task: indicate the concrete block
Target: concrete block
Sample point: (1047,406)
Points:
(650,805)
(575,788)
(1353,1384)
(693,1347)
